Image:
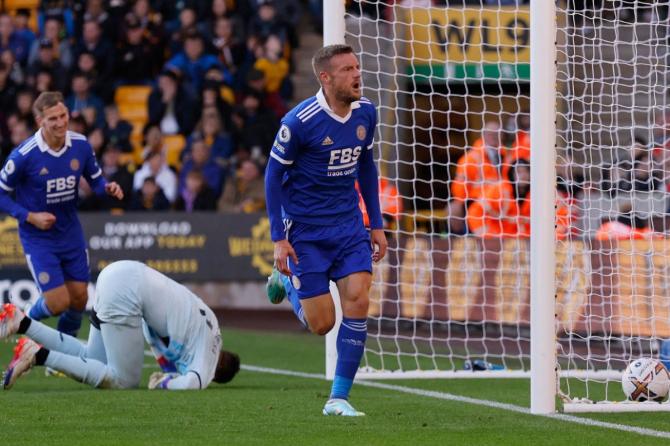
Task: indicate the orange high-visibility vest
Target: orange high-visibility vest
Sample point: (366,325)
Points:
(498,214)
(521,148)
(389,200)
(475,172)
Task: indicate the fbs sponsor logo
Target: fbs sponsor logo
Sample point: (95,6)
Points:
(327,141)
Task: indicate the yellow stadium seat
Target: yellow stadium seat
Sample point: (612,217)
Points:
(132,94)
(18,4)
(174,144)
(133,112)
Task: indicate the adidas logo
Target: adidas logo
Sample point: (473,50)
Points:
(327,141)
(44,171)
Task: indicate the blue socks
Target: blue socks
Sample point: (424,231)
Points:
(292,296)
(350,347)
(69,322)
(40,310)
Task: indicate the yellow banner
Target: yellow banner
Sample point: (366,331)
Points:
(458,35)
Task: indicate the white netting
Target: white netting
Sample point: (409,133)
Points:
(439,76)
(443,77)
(612,127)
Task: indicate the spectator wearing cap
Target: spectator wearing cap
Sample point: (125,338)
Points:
(62,50)
(48,62)
(193,62)
(155,166)
(11,40)
(92,41)
(201,159)
(136,61)
(172,106)
(82,98)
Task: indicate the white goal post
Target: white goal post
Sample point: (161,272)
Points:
(563,304)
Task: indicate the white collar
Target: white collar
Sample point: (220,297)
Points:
(321,99)
(44,147)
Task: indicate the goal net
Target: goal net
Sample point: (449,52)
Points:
(452,88)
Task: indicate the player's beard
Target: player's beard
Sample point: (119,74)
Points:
(347,96)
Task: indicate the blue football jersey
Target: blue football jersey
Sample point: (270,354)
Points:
(48,181)
(322,152)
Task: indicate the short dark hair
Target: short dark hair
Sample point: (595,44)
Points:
(227,368)
(46,100)
(321,59)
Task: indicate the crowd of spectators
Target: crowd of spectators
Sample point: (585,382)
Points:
(219,73)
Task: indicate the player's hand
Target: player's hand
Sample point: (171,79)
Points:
(114,190)
(41,220)
(159,380)
(283,250)
(379,244)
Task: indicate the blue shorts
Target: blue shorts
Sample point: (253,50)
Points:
(52,266)
(327,253)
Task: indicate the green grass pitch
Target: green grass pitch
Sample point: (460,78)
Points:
(264,409)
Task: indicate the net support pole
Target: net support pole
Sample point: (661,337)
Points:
(333,32)
(543,199)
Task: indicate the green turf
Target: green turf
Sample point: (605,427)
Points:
(263,409)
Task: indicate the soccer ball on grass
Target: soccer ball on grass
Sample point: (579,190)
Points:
(646,379)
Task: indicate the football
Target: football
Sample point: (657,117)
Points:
(646,379)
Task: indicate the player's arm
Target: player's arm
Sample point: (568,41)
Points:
(282,155)
(368,180)
(10,177)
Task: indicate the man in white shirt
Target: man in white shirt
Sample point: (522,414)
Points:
(134,302)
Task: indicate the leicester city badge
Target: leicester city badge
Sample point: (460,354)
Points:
(74,164)
(361,133)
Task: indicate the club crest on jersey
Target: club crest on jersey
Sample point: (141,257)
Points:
(10,167)
(361,133)
(74,164)
(284,133)
(327,141)
(43,277)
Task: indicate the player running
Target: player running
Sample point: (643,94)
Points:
(43,172)
(134,302)
(323,146)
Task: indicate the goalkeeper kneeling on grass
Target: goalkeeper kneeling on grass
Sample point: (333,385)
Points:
(134,303)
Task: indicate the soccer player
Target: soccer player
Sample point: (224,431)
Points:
(43,172)
(323,146)
(134,302)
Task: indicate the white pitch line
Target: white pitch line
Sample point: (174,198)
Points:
(475,401)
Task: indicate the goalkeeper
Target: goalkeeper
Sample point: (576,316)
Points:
(134,302)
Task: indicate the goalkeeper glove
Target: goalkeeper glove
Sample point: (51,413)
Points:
(159,380)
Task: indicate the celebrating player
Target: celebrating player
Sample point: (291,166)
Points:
(323,146)
(44,172)
(133,302)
